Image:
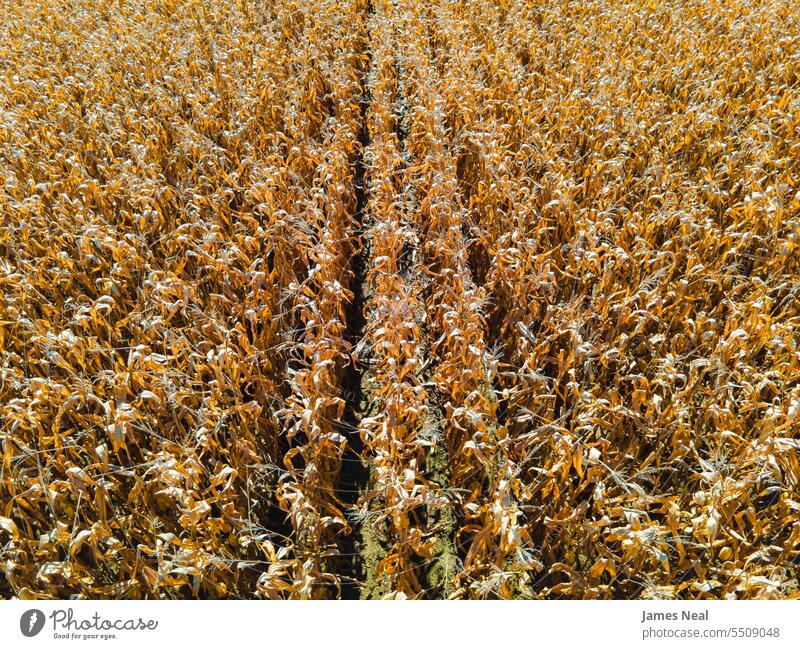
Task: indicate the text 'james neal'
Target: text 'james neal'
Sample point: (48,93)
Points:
(647,616)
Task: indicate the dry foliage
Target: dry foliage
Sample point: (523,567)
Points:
(402,299)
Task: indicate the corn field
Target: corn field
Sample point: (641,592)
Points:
(399,299)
